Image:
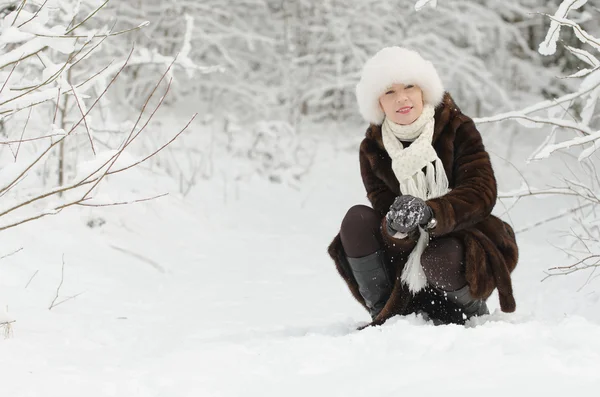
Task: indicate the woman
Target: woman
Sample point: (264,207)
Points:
(430,244)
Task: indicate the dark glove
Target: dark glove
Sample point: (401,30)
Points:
(406,213)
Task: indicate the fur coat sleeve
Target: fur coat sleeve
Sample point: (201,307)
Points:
(474,193)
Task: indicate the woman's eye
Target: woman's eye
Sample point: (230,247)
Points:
(409,86)
(389,92)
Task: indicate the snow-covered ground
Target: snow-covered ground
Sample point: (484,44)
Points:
(230,292)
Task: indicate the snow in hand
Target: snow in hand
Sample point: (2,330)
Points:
(218,294)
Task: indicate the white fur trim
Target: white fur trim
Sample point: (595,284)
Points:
(395,65)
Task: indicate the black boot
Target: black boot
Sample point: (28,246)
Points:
(468,305)
(373,280)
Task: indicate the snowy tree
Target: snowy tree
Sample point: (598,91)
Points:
(51,83)
(573,124)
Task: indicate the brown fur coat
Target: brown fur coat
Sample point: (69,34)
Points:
(465,212)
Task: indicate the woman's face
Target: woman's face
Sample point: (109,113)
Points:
(402,104)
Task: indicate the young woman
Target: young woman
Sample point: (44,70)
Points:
(430,244)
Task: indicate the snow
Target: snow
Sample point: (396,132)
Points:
(227,289)
(419,5)
(230,292)
(11,35)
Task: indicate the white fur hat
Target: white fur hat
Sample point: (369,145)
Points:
(395,65)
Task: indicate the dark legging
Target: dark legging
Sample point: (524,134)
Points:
(442,260)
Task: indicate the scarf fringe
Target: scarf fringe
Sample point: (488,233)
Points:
(413,274)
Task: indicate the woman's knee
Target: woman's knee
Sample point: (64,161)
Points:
(360,217)
(443,263)
(359,231)
(449,248)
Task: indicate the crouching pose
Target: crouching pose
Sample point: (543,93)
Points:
(429,244)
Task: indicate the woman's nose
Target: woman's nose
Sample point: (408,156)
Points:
(401,97)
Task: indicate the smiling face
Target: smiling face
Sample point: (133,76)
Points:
(402,104)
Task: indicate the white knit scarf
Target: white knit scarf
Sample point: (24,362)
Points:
(408,164)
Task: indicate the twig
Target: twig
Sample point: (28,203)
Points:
(57,106)
(84,56)
(587,281)
(131,135)
(10,74)
(34,15)
(562,191)
(89,134)
(123,202)
(7,325)
(12,253)
(31,279)
(34,162)
(106,89)
(159,149)
(148,100)
(68,299)
(62,277)
(18,12)
(552,218)
(30,139)
(570,271)
(23,57)
(575,264)
(23,133)
(87,18)
(140,257)
(142,25)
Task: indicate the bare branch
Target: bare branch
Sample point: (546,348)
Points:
(89,134)
(10,74)
(529,192)
(29,167)
(87,18)
(552,218)
(12,253)
(143,24)
(83,204)
(23,133)
(18,12)
(62,277)
(159,149)
(106,89)
(31,279)
(34,15)
(68,299)
(30,139)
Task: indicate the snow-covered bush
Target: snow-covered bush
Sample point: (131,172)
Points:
(54,150)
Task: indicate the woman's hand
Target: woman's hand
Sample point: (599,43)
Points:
(407,212)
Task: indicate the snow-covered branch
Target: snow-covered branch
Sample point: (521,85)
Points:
(422,3)
(588,92)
